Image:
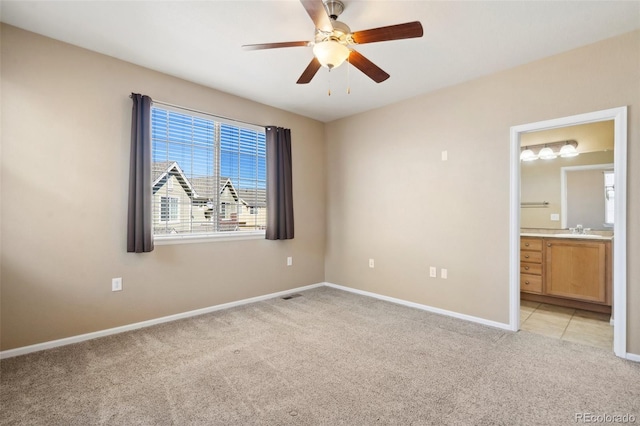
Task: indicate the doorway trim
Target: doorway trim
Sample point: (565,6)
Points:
(619,117)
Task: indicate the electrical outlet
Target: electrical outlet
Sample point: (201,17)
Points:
(445,155)
(371,263)
(116,284)
(443,273)
(433,272)
(289,261)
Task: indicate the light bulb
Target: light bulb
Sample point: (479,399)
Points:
(568,151)
(330,53)
(547,153)
(528,155)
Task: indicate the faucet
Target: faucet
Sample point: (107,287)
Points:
(580,230)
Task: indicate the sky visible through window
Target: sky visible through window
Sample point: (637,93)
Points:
(190,141)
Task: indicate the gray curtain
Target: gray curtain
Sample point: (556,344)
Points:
(139,228)
(279,186)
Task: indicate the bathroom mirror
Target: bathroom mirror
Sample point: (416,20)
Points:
(561,193)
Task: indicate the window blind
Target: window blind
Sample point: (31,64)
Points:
(209,174)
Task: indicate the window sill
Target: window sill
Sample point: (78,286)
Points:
(192,239)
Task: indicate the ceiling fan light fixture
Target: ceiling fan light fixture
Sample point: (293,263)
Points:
(330,53)
(333,40)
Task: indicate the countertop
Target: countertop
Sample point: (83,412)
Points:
(569,236)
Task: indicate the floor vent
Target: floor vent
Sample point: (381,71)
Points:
(291,296)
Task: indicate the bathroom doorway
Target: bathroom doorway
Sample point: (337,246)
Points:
(618,117)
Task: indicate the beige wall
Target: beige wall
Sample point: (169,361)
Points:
(540,181)
(66,118)
(65,131)
(394,153)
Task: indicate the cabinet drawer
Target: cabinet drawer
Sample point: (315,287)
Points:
(531,268)
(534,244)
(531,283)
(531,256)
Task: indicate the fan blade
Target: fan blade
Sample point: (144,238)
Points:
(317,13)
(309,72)
(392,32)
(275,45)
(374,72)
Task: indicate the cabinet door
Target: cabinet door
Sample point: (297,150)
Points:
(575,269)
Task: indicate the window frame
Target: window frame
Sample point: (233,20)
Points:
(188,238)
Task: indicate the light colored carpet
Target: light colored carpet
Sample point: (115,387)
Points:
(327,357)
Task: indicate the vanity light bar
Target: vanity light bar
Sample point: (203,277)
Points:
(548,151)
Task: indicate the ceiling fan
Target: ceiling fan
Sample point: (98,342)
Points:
(334,41)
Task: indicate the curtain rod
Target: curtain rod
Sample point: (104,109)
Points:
(203,112)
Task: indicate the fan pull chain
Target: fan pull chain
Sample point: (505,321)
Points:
(329,81)
(348,68)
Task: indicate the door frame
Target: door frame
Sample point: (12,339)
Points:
(619,117)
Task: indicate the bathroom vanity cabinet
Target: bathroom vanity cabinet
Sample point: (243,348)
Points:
(572,272)
(531,265)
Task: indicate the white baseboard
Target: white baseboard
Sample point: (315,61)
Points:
(633,357)
(629,356)
(94,335)
(423,307)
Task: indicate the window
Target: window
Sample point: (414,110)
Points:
(207,172)
(169,211)
(609,197)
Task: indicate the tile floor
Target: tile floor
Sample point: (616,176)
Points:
(574,325)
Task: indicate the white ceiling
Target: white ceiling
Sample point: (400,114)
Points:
(200,41)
